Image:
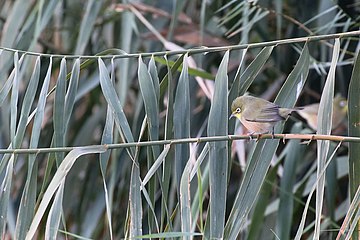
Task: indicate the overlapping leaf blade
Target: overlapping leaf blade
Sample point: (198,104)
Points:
(57,180)
(182,121)
(324,127)
(354,130)
(218,152)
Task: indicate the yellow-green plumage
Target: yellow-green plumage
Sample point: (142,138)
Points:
(258,115)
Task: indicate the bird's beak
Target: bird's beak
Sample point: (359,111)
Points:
(231,116)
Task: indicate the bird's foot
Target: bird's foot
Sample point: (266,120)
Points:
(251,136)
(258,137)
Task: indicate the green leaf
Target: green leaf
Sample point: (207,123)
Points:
(107,138)
(218,152)
(324,127)
(263,152)
(28,198)
(72,90)
(87,25)
(115,104)
(350,221)
(169,134)
(8,84)
(154,77)
(354,130)
(287,182)
(53,220)
(185,210)
(14,98)
(192,71)
(182,121)
(203,186)
(27,103)
(253,70)
(59,113)
(262,202)
(165,81)
(5,188)
(135,203)
(300,229)
(151,103)
(156,165)
(57,180)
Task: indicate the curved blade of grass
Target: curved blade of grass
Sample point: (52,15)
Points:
(9,82)
(199,160)
(253,70)
(154,77)
(14,22)
(354,224)
(150,173)
(285,212)
(147,88)
(261,203)
(135,211)
(324,127)
(53,220)
(354,130)
(203,185)
(165,81)
(72,91)
(197,204)
(59,176)
(218,152)
(192,71)
(115,104)
(27,102)
(59,112)
(349,219)
(28,198)
(14,98)
(169,134)
(314,187)
(126,40)
(107,138)
(185,210)
(87,25)
(182,121)
(234,89)
(5,188)
(135,202)
(151,206)
(264,150)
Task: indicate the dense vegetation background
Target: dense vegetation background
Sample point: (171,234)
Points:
(75,75)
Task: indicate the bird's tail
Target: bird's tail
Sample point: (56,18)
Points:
(285,112)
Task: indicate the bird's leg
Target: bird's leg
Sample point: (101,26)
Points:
(272,133)
(258,137)
(250,134)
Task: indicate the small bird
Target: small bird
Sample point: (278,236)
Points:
(310,112)
(258,115)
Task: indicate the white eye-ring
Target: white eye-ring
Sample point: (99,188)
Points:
(238,110)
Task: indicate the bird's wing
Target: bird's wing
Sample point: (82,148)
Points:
(269,114)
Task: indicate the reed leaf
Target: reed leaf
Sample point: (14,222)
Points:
(218,152)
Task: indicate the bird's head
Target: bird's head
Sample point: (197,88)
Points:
(237,108)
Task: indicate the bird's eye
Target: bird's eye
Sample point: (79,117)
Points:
(343,103)
(238,110)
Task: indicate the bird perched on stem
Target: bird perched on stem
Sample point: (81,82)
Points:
(310,112)
(258,115)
